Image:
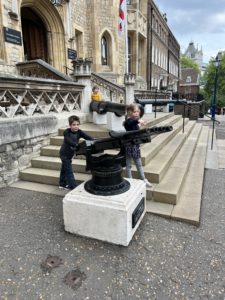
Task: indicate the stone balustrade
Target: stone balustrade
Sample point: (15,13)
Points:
(24,96)
(110,90)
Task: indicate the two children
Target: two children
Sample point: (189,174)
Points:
(133,122)
(74,133)
(67,151)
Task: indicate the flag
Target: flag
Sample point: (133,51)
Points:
(122,11)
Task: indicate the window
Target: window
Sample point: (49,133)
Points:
(79,43)
(156,27)
(188,79)
(129,55)
(104,51)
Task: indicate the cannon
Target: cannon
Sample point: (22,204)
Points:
(106,169)
(102,107)
(157,102)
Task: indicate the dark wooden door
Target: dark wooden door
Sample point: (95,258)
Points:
(34,37)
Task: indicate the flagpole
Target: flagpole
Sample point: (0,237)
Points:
(126,38)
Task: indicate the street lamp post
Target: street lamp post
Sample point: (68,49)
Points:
(216,64)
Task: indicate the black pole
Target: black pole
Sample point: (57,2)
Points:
(155,101)
(214,106)
(183,116)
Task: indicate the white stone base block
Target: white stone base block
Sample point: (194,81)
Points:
(166,108)
(106,218)
(148,108)
(99,119)
(114,122)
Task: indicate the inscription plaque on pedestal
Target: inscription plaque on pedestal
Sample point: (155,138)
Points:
(138,212)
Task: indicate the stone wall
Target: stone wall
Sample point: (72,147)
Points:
(102,18)
(22,138)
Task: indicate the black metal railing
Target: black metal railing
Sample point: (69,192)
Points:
(212,118)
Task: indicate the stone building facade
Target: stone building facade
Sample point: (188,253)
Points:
(39,39)
(46,31)
(52,29)
(190,83)
(164,50)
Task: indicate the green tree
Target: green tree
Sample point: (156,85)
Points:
(187,62)
(209,78)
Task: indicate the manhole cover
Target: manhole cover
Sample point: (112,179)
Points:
(50,263)
(74,279)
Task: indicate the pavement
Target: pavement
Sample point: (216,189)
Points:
(165,260)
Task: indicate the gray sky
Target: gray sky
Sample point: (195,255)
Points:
(199,21)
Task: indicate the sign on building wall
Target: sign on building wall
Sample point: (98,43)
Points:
(12,36)
(72,54)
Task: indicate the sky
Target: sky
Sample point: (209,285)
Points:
(198,21)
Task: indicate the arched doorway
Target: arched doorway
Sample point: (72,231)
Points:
(34,35)
(46,37)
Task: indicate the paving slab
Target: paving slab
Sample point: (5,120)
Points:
(221,153)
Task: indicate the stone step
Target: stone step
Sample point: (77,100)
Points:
(50,188)
(188,207)
(50,160)
(39,187)
(158,166)
(168,190)
(51,177)
(48,176)
(99,131)
(102,132)
(79,166)
(54,163)
(189,204)
(148,151)
(50,150)
(53,151)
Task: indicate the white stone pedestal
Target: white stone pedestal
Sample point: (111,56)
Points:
(112,219)
(148,108)
(114,122)
(166,108)
(99,119)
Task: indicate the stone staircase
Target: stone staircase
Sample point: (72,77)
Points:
(174,162)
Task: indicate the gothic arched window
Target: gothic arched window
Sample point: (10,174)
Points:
(104,51)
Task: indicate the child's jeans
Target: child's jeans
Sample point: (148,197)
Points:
(66,174)
(138,166)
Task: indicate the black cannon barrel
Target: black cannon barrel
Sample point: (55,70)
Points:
(119,109)
(118,139)
(160,129)
(103,107)
(158,102)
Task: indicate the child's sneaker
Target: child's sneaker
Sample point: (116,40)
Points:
(64,187)
(148,184)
